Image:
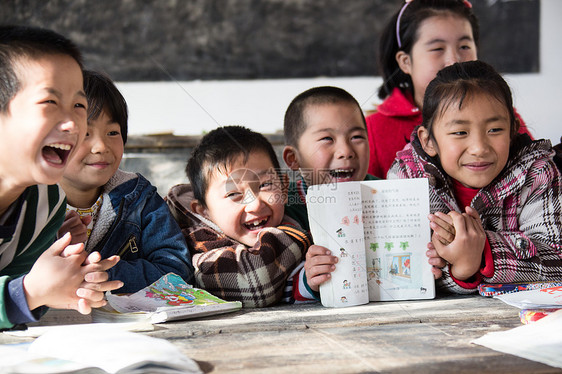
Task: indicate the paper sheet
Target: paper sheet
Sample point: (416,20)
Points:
(539,341)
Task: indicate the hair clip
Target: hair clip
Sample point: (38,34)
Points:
(467,4)
(398,22)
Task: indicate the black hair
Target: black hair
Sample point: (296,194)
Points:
(294,124)
(218,150)
(103,95)
(17,42)
(410,20)
(455,83)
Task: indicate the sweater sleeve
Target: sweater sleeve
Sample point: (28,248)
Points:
(533,251)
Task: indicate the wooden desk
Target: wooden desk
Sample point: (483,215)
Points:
(393,337)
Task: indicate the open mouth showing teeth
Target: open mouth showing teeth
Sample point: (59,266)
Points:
(256,225)
(342,173)
(56,153)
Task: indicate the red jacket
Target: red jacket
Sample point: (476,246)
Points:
(390,127)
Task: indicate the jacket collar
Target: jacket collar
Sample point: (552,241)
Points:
(399,104)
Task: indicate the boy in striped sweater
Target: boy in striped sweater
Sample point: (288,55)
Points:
(42,121)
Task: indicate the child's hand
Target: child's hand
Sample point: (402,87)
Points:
(96,282)
(442,226)
(464,253)
(437,262)
(318,265)
(75,225)
(54,278)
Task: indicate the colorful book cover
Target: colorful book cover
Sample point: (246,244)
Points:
(169,298)
(532,315)
(494,289)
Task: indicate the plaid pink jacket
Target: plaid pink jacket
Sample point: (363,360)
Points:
(521,210)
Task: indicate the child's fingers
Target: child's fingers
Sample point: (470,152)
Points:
(443,235)
(90,295)
(316,281)
(437,273)
(102,265)
(84,307)
(59,246)
(475,219)
(73,249)
(459,221)
(98,284)
(315,250)
(473,213)
(102,286)
(444,216)
(93,258)
(441,218)
(86,220)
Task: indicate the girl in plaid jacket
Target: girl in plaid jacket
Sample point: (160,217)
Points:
(496,196)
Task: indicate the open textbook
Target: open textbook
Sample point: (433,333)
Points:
(169,298)
(101,350)
(380,231)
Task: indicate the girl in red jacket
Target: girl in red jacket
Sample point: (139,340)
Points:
(423,37)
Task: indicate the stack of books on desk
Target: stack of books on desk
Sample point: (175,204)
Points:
(536,299)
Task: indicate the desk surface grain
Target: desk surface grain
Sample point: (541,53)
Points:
(430,336)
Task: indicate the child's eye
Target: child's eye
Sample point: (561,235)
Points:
(496,130)
(234,195)
(327,139)
(114,133)
(459,133)
(360,137)
(266,186)
(49,101)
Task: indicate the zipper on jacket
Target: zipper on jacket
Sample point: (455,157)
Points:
(130,246)
(101,244)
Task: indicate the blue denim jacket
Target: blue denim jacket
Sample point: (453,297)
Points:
(134,222)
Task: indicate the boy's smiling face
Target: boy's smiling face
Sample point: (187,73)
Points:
(334,147)
(45,121)
(246,198)
(95,161)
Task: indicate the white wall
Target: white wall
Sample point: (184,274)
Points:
(190,108)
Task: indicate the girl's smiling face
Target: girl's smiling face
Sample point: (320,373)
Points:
(441,41)
(473,141)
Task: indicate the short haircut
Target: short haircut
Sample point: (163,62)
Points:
(218,150)
(103,95)
(19,42)
(455,83)
(295,123)
(410,20)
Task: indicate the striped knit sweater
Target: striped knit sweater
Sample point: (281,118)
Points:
(27,230)
(521,211)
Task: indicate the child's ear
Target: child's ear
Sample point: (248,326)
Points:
(426,141)
(290,156)
(404,62)
(198,208)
